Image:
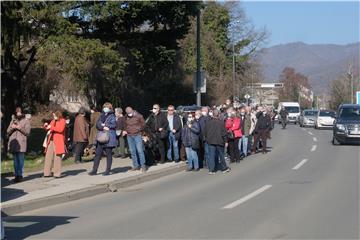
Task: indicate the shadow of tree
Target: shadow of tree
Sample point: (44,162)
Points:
(8,194)
(21,227)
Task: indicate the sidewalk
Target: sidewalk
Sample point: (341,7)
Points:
(37,192)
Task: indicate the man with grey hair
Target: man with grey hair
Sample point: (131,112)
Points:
(134,125)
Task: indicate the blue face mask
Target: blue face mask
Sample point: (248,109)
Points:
(106,110)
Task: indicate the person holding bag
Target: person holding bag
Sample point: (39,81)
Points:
(191,140)
(55,145)
(105,138)
(233,128)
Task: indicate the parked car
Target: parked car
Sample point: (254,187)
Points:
(308,117)
(325,119)
(347,125)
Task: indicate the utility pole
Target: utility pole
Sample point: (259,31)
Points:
(351,84)
(233,69)
(198,61)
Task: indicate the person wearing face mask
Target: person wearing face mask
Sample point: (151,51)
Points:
(106,122)
(190,136)
(55,145)
(81,135)
(232,124)
(245,120)
(174,130)
(18,132)
(120,124)
(134,125)
(262,128)
(203,117)
(158,124)
(94,117)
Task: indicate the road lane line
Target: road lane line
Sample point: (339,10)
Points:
(248,197)
(313,148)
(310,133)
(315,139)
(300,164)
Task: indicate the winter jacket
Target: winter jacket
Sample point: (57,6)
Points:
(109,120)
(234,124)
(134,125)
(253,122)
(215,132)
(159,121)
(93,120)
(263,122)
(190,136)
(81,129)
(202,121)
(18,137)
(245,124)
(57,135)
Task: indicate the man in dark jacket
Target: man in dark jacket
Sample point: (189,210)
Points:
(204,148)
(215,136)
(174,132)
(81,134)
(120,125)
(262,128)
(159,125)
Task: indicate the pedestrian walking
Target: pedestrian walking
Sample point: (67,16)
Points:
(105,139)
(262,128)
(216,137)
(245,121)
(94,117)
(190,136)
(232,124)
(55,145)
(134,125)
(18,132)
(120,126)
(159,125)
(81,135)
(174,133)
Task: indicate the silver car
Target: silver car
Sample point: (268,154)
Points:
(308,118)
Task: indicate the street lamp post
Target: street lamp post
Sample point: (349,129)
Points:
(198,63)
(233,69)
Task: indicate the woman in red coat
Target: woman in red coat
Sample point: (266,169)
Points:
(55,146)
(233,127)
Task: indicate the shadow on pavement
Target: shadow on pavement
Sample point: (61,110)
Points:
(8,194)
(21,227)
(73,172)
(120,169)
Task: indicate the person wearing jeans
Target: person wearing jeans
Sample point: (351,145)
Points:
(174,134)
(134,125)
(18,131)
(136,149)
(190,136)
(245,128)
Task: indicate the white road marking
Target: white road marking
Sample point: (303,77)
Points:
(310,133)
(315,139)
(248,197)
(300,164)
(313,148)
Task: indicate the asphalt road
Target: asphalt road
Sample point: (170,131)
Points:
(305,188)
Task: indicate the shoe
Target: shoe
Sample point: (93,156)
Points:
(61,176)
(143,169)
(211,173)
(107,173)
(227,170)
(189,169)
(197,169)
(135,169)
(18,179)
(44,176)
(92,173)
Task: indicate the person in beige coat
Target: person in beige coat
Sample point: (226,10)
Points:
(18,132)
(81,135)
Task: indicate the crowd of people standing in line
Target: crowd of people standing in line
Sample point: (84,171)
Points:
(205,138)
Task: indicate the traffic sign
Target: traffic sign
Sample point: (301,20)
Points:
(247,96)
(358,97)
(202,82)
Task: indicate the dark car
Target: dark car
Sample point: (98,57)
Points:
(347,125)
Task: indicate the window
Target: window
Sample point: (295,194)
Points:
(350,113)
(292,109)
(327,114)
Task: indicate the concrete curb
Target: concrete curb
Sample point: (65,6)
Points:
(16,208)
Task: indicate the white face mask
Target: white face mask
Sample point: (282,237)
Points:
(197,117)
(55,117)
(211,114)
(130,114)
(204,113)
(92,111)
(190,119)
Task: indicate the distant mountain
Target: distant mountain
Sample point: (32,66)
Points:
(321,63)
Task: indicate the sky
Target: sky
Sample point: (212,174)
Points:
(305,21)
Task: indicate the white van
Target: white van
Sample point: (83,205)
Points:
(293,109)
